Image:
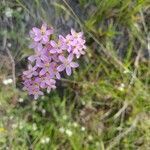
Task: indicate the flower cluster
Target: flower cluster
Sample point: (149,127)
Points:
(51,57)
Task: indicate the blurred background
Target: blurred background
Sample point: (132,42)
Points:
(105,104)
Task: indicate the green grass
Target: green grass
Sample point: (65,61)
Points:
(92,104)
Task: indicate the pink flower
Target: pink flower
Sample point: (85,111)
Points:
(50,85)
(35,91)
(76,43)
(76,35)
(47,82)
(41,34)
(67,64)
(55,72)
(32,86)
(36,46)
(78,48)
(45,67)
(68,41)
(48,61)
(58,47)
(30,72)
(27,82)
(39,55)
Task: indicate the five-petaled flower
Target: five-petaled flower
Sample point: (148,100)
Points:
(41,34)
(67,64)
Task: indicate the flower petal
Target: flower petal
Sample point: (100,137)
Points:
(68,70)
(52,81)
(48,82)
(49,32)
(62,58)
(36,96)
(61,67)
(73,32)
(35,73)
(42,72)
(74,43)
(58,75)
(53,43)
(36,30)
(37,38)
(48,89)
(70,57)
(80,34)
(53,51)
(74,64)
(39,47)
(39,63)
(42,85)
(31,58)
(45,39)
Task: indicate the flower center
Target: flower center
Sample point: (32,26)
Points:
(66,63)
(47,65)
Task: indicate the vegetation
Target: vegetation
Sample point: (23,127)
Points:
(106,102)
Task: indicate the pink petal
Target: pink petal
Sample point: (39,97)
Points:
(42,85)
(62,58)
(25,73)
(58,75)
(68,70)
(74,64)
(49,32)
(70,57)
(48,89)
(59,50)
(69,49)
(69,37)
(48,82)
(39,63)
(44,58)
(74,43)
(64,46)
(40,93)
(52,81)
(42,72)
(84,47)
(61,67)
(73,32)
(35,73)
(36,96)
(61,38)
(37,38)
(36,30)
(82,52)
(80,34)
(53,43)
(53,86)
(53,51)
(31,58)
(45,39)
(39,47)
(30,67)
